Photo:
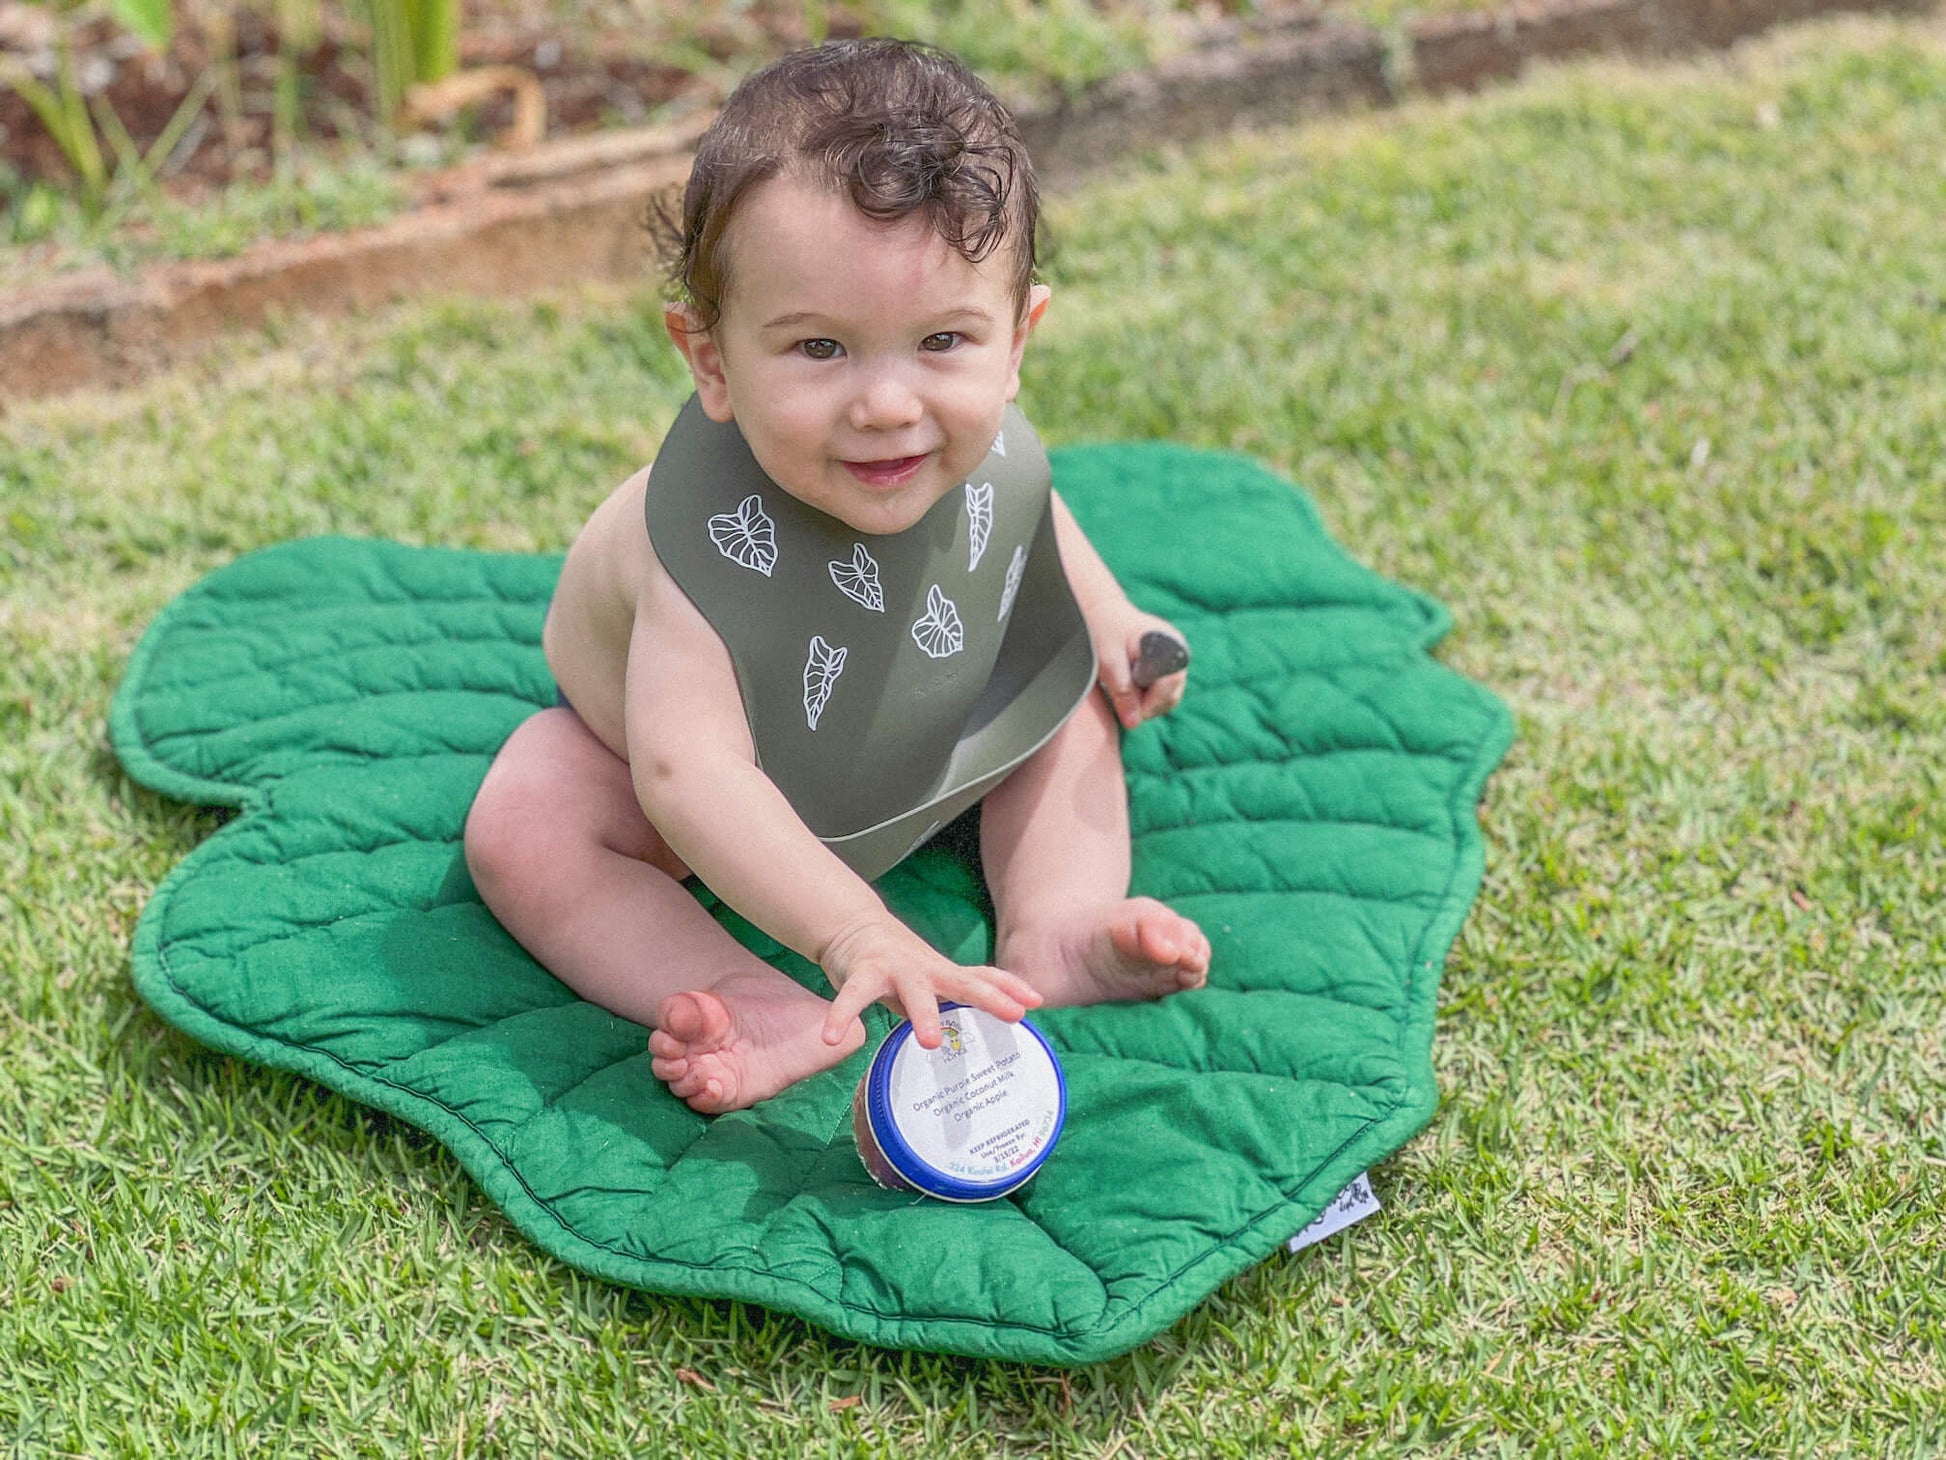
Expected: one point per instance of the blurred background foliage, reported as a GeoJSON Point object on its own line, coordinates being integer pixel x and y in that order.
{"type": "Point", "coordinates": [135, 127]}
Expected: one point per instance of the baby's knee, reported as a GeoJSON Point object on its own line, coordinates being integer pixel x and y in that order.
{"type": "Point", "coordinates": [554, 804]}
{"type": "Point", "coordinates": [492, 840]}
{"type": "Point", "coordinates": [508, 834]}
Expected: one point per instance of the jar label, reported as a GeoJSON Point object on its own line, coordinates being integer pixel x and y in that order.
{"type": "Point", "coordinates": [981, 1106]}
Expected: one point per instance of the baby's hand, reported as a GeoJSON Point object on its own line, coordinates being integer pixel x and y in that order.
{"type": "Point", "coordinates": [1118, 636]}
{"type": "Point", "coordinates": [887, 960]}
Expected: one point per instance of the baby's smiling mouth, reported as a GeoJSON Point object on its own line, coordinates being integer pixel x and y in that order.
{"type": "Point", "coordinates": [890, 471]}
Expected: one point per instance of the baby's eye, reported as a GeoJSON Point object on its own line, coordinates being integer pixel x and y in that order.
{"type": "Point", "coordinates": [820, 349]}
{"type": "Point", "coordinates": [944, 340]}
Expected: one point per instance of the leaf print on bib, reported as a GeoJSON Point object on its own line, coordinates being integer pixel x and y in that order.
{"type": "Point", "coordinates": [1016, 567]}
{"type": "Point", "coordinates": [858, 579]}
{"type": "Point", "coordinates": [939, 631]}
{"type": "Point", "coordinates": [999, 443]}
{"type": "Point", "coordinates": [979, 521]}
{"type": "Point", "coordinates": [821, 672]}
{"type": "Point", "coordinates": [747, 537]}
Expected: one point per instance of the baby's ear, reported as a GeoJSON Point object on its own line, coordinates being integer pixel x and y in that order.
{"type": "Point", "coordinates": [704, 357]}
{"type": "Point", "coordinates": [1037, 298]}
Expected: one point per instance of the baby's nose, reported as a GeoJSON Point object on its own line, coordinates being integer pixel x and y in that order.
{"type": "Point", "coordinates": [885, 404]}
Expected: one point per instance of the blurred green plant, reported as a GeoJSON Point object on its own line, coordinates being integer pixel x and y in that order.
{"type": "Point", "coordinates": [63, 110]}
{"type": "Point", "coordinates": [413, 42]}
{"type": "Point", "coordinates": [153, 20]}
{"type": "Point", "coordinates": [71, 116]}
{"type": "Point", "coordinates": [300, 27]}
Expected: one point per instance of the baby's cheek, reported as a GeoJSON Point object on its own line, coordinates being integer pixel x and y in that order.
{"type": "Point", "coordinates": [965, 451]}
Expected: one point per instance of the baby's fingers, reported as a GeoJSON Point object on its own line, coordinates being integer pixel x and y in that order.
{"type": "Point", "coordinates": [1163, 696]}
{"type": "Point", "coordinates": [1011, 984]}
{"type": "Point", "coordinates": [1112, 674]}
{"type": "Point", "coordinates": [848, 1006]}
{"type": "Point", "coordinates": [921, 1006]}
{"type": "Point", "coordinates": [999, 993]}
{"type": "Point", "coordinates": [1126, 700]}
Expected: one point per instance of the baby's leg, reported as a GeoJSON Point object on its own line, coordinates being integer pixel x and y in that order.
{"type": "Point", "coordinates": [561, 852]}
{"type": "Point", "coordinates": [1054, 838]}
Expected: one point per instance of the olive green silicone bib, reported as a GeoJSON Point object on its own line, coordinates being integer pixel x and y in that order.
{"type": "Point", "coordinates": [889, 680]}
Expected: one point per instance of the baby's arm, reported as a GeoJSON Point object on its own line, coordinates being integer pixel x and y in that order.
{"type": "Point", "coordinates": [1116, 626]}
{"type": "Point", "coordinates": [695, 773]}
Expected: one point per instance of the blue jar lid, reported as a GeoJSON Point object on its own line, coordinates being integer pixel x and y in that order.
{"type": "Point", "coordinates": [973, 1119]}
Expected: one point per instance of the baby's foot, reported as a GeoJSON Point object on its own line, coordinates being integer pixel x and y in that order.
{"type": "Point", "coordinates": [1138, 949]}
{"type": "Point", "coordinates": [741, 1041]}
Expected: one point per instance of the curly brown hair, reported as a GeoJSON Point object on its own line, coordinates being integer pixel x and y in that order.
{"type": "Point", "coordinates": [897, 126]}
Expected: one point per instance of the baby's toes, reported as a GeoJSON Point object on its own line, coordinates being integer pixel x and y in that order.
{"type": "Point", "coordinates": [668, 1069]}
{"type": "Point", "coordinates": [1160, 945]}
{"type": "Point", "coordinates": [703, 1092]}
{"type": "Point", "coordinates": [665, 1046]}
{"type": "Point", "coordinates": [1197, 959]}
{"type": "Point", "coordinates": [1135, 934]}
{"type": "Point", "coordinates": [691, 1019]}
{"type": "Point", "coordinates": [1170, 938]}
{"type": "Point", "coordinates": [693, 1081]}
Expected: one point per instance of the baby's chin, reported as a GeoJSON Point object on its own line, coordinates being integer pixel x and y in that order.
{"type": "Point", "coordinates": [894, 512]}
{"type": "Point", "coordinates": [879, 512]}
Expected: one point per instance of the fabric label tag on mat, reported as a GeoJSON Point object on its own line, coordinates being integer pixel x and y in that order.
{"type": "Point", "coordinates": [1356, 1202]}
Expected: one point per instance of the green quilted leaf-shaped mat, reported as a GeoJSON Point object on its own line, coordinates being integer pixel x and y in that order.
{"type": "Point", "coordinates": [1311, 804]}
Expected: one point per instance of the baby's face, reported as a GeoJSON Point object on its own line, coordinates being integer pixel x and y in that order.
{"type": "Point", "coordinates": [867, 364]}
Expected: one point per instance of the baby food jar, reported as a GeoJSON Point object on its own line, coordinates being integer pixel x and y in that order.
{"type": "Point", "coordinates": [969, 1121]}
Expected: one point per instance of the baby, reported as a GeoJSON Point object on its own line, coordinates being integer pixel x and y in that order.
{"type": "Point", "coordinates": [856, 264]}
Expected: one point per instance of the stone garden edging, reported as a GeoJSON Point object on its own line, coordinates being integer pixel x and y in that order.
{"type": "Point", "coordinates": [571, 210]}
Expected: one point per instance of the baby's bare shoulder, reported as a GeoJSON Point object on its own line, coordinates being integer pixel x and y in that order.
{"type": "Point", "coordinates": [615, 606]}
{"type": "Point", "coordinates": [609, 545]}
{"type": "Point", "coordinates": [606, 570]}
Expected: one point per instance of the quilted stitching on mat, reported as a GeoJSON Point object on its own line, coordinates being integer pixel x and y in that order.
{"type": "Point", "coordinates": [1311, 804]}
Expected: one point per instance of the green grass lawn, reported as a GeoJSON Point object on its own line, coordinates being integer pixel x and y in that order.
{"type": "Point", "coordinates": [1640, 372]}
